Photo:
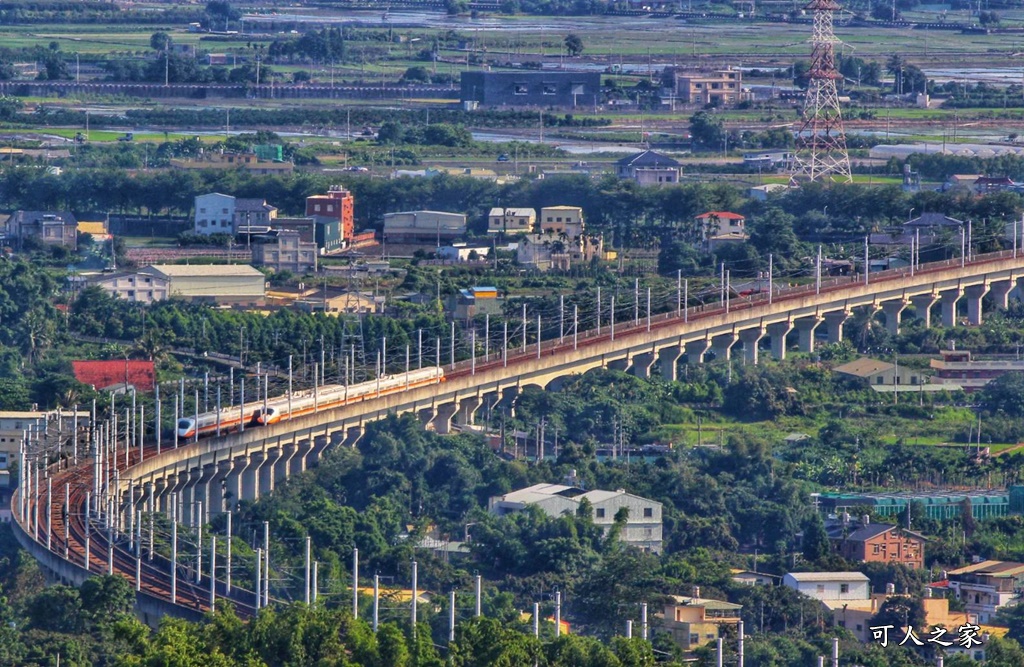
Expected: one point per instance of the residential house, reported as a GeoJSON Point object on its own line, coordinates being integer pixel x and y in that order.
{"type": "Point", "coordinates": [959, 370]}
{"type": "Point", "coordinates": [221, 284]}
{"type": "Point", "coordinates": [284, 251]}
{"type": "Point", "coordinates": [643, 523]}
{"type": "Point", "coordinates": [214, 214]}
{"type": "Point", "coordinates": [986, 587]}
{"type": "Point", "coordinates": [468, 303]}
{"type": "Point", "coordinates": [648, 168]}
{"type": "Point", "coordinates": [829, 585]}
{"type": "Point", "coordinates": [116, 374]}
{"type": "Point", "coordinates": [511, 220]}
{"type": "Point", "coordinates": [326, 232]}
{"type": "Point", "coordinates": [133, 287]}
{"type": "Point", "coordinates": [693, 622]}
{"type": "Point", "coordinates": [337, 204]}
{"type": "Point", "coordinates": [253, 216]}
{"type": "Point", "coordinates": [882, 543]}
{"type": "Point", "coordinates": [567, 220]}
{"type": "Point", "coordinates": [423, 226]}
{"type": "Point", "coordinates": [15, 424]}
{"type": "Point", "coordinates": [877, 373]}
{"type": "Point", "coordinates": [722, 87]}
{"type": "Point", "coordinates": [46, 227]}
{"type": "Point", "coordinates": [545, 252]}
{"type": "Point", "coordinates": [721, 227]}
{"type": "Point", "coordinates": [753, 578]}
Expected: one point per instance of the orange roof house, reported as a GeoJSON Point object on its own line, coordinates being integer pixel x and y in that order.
{"type": "Point", "coordinates": [115, 374]}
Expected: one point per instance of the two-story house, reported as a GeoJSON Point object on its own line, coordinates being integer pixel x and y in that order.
{"type": "Point", "coordinates": [134, 287]}
{"type": "Point", "coordinates": [883, 543]}
{"type": "Point", "coordinates": [986, 587]}
{"type": "Point", "coordinates": [720, 227]}
{"type": "Point", "coordinates": [511, 220]}
{"type": "Point", "coordinates": [695, 621]}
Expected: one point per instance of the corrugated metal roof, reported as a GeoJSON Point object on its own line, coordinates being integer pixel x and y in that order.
{"type": "Point", "coordinates": [828, 576]}
{"type": "Point", "coordinates": [205, 270]}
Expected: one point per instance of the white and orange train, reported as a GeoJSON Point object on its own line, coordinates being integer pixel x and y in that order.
{"type": "Point", "coordinates": [305, 402]}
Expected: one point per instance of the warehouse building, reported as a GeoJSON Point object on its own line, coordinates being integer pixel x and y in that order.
{"type": "Point", "coordinates": [531, 89]}
{"type": "Point", "coordinates": [423, 226]}
{"type": "Point", "coordinates": [219, 284]}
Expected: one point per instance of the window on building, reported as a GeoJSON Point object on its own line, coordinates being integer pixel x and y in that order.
{"type": "Point", "coordinates": [549, 89]}
{"type": "Point", "coordinates": [875, 548]}
{"type": "Point", "coordinates": [821, 588]}
{"type": "Point", "coordinates": [844, 588]}
{"type": "Point", "coordinates": [131, 294]}
{"type": "Point", "coordinates": [330, 208]}
{"type": "Point", "coordinates": [521, 89]}
{"type": "Point", "coordinates": [879, 380]}
{"type": "Point", "coordinates": [599, 512]}
{"type": "Point", "coordinates": [648, 512]}
{"type": "Point", "coordinates": [694, 639]}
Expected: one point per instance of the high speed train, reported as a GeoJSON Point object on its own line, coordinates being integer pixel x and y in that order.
{"type": "Point", "coordinates": [305, 402]}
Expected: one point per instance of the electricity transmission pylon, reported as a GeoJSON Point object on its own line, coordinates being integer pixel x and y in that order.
{"type": "Point", "coordinates": [821, 141]}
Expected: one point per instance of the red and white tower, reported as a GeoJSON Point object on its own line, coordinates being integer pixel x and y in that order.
{"type": "Point", "coordinates": [821, 142]}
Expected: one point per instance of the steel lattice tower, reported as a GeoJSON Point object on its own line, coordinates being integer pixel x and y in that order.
{"type": "Point", "coordinates": [821, 140]}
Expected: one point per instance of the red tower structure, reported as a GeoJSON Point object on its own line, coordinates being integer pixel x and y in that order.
{"type": "Point", "coordinates": [821, 141]}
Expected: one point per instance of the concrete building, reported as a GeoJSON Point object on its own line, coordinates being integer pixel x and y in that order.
{"type": "Point", "coordinates": [694, 621]}
{"type": "Point", "coordinates": [986, 587]}
{"type": "Point", "coordinates": [531, 89]}
{"type": "Point", "coordinates": [829, 585]}
{"type": "Point", "coordinates": [511, 220]}
{"type": "Point", "coordinates": [643, 526]}
{"type": "Point", "coordinates": [15, 423]}
{"type": "Point", "coordinates": [719, 88]}
{"type": "Point", "coordinates": [566, 220]}
{"type": "Point", "coordinates": [959, 370]}
{"type": "Point", "coordinates": [763, 192]}
{"type": "Point", "coordinates": [214, 214]}
{"type": "Point", "coordinates": [337, 204]}
{"type": "Point", "coordinates": [134, 287]}
{"type": "Point", "coordinates": [882, 543]}
{"type": "Point", "coordinates": [648, 168]}
{"type": "Point", "coordinates": [546, 252]}
{"type": "Point", "coordinates": [768, 161]}
{"type": "Point", "coordinates": [253, 216]}
{"type": "Point", "coordinates": [221, 284]}
{"type": "Point", "coordinates": [325, 232]}
{"type": "Point", "coordinates": [423, 226]}
{"type": "Point", "coordinates": [752, 578]}
{"type": "Point", "coordinates": [721, 227]}
{"type": "Point", "coordinates": [284, 251]}
{"type": "Point", "coordinates": [878, 373]}
{"type": "Point", "coordinates": [46, 227]}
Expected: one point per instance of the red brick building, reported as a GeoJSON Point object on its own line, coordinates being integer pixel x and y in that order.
{"type": "Point", "coordinates": [115, 374]}
{"type": "Point", "coordinates": [883, 543]}
{"type": "Point", "coordinates": [337, 204]}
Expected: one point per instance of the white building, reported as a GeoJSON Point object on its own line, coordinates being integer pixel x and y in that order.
{"type": "Point", "coordinates": [827, 586]}
{"type": "Point", "coordinates": [214, 214]}
{"type": "Point", "coordinates": [643, 526]}
{"type": "Point", "coordinates": [463, 252]}
{"type": "Point", "coordinates": [511, 220]}
{"type": "Point", "coordinates": [134, 287]}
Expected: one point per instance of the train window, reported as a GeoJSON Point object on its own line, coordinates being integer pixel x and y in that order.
{"type": "Point", "coordinates": [184, 423]}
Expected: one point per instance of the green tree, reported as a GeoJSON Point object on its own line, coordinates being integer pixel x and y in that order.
{"type": "Point", "coordinates": [816, 545]}
{"type": "Point", "coordinates": [573, 45]}
{"type": "Point", "coordinates": [160, 41]}
{"type": "Point", "coordinates": [707, 133]}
